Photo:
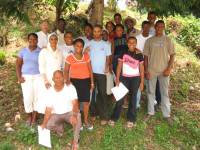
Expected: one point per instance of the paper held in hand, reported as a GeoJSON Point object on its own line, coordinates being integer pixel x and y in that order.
{"type": "Point", "coordinates": [119, 91]}
{"type": "Point", "coordinates": [44, 137]}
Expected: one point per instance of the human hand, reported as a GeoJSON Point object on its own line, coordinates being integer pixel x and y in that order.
{"type": "Point", "coordinates": [21, 80]}
{"type": "Point", "coordinates": [167, 72]}
{"type": "Point", "coordinates": [147, 75]}
{"type": "Point", "coordinates": [47, 85]}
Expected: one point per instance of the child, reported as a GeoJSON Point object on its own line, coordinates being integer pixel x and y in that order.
{"type": "Point", "coordinates": [78, 70]}
{"type": "Point", "coordinates": [100, 52]}
{"type": "Point", "coordinates": [131, 64]}
{"type": "Point", "coordinates": [68, 47]}
{"type": "Point", "coordinates": [119, 46]}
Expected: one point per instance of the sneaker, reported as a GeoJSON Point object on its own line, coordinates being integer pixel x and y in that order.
{"type": "Point", "coordinates": [89, 127]}
{"type": "Point", "coordinates": [103, 122]}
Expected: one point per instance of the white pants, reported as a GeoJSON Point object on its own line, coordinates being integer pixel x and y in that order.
{"type": "Point", "coordinates": [30, 92]}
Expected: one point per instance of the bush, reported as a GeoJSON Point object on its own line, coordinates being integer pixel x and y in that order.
{"type": "Point", "coordinates": [185, 29]}
{"type": "Point", "coordinates": [2, 58]}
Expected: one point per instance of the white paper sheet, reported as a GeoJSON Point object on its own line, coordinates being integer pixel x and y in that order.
{"type": "Point", "coordinates": [119, 91]}
{"type": "Point", "coordinates": [44, 137]}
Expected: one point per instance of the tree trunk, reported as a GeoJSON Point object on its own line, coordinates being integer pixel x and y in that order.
{"type": "Point", "coordinates": [96, 12]}
{"type": "Point", "coordinates": [59, 7]}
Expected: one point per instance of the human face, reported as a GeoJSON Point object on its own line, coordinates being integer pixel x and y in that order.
{"type": "Point", "coordinates": [61, 26]}
{"type": "Point", "coordinates": [97, 33]}
{"type": "Point", "coordinates": [151, 18]}
{"type": "Point", "coordinates": [119, 31]}
{"type": "Point", "coordinates": [109, 27]}
{"type": "Point", "coordinates": [129, 24]}
{"type": "Point", "coordinates": [68, 39]}
{"type": "Point", "coordinates": [88, 31]}
{"type": "Point", "coordinates": [58, 78]}
{"type": "Point", "coordinates": [53, 40]}
{"type": "Point", "coordinates": [32, 41]}
{"type": "Point", "coordinates": [105, 36]}
{"type": "Point", "coordinates": [118, 19]}
{"type": "Point", "coordinates": [44, 27]}
{"type": "Point", "coordinates": [146, 28]}
{"type": "Point", "coordinates": [132, 44]}
{"type": "Point", "coordinates": [159, 28]}
{"type": "Point", "coordinates": [78, 47]}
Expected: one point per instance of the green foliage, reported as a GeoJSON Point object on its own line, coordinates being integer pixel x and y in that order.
{"type": "Point", "coordinates": [170, 7]}
{"type": "Point", "coordinates": [2, 57]}
{"type": "Point", "coordinates": [7, 146]}
{"type": "Point", "coordinates": [112, 4]}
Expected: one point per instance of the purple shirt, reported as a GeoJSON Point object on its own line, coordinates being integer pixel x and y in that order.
{"type": "Point", "coordinates": [30, 64]}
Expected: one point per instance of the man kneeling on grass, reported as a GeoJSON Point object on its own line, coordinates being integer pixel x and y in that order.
{"type": "Point", "coordinates": [62, 106]}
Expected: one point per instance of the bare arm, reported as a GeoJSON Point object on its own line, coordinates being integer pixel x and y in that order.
{"type": "Point", "coordinates": [46, 117]}
{"type": "Point", "coordinates": [141, 68]}
{"type": "Point", "coordinates": [66, 73]}
{"type": "Point", "coordinates": [107, 64]}
{"type": "Point", "coordinates": [19, 63]}
{"type": "Point", "coordinates": [118, 72]}
{"type": "Point", "coordinates": [91, 75]}
{"type": "Point", "coordinates": [167, 71]}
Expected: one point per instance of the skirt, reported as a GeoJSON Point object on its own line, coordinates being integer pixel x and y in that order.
{"type": "Point", "coordinates": [83, 89]}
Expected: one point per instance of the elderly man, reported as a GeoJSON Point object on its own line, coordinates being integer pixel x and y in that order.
{"type": "Point", "coordinates": [62, 106]}
{"type": "Point", "coordinates": [159, 57]}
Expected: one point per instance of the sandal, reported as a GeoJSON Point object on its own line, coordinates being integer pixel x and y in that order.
{"type": "Point", "coordinates": [111, 123]}
{"type": "Point", "coordinates": [130, 125]}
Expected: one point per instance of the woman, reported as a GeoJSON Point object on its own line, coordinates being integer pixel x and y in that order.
{"type": "Point", "coordinates": [28, 74]}
{"type": "Point", "coordinates": [50, 60]}
{"type": "Point", "coordinates": [110, 28]}
{"type": "Point", "coordinates": [81, 75]}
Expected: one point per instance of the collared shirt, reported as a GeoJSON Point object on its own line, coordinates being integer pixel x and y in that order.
{"type": "Point", "coordinates": [66, 50]}
{"type": "Point", "coordinates": [60, 35]}
{"type": "Point", "coordinates": [61, 102]}
{"type": "Point", "coordinates": [134, 33]}
{"type": "Point", "coordinates": [30, 61]}
{"type": "Point", "coordinates": [42, 39]}
{"type": "Point", "coordinates": [50, 61]}
{"type": "Point", "coordinates": [158, 50]}
{"type": "Point", "coordinates": [99, 50]}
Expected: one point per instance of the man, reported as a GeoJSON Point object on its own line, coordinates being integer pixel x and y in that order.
{"type": "Point", "coordinates": [117, 18]}
{"type": "Point", "coordinates": [88, 29]}
{"type": "Point", "coordinates": [100, 52]}
{"type": "Point", "coordinates": [60, 31]}
{"type": "Point", "coordinates": [159, 57]}
{"type": "Point", "coordinates": [141, 39]}
{"type": "Point", "coordinates": [62, 106]}
{"type": "Point", "coordinates": [130, 27]}
{"type": "Point", "coordinates": [43, 34]}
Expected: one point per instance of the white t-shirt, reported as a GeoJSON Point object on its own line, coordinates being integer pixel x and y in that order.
{"type": "Point", "coordinates": [66, 50]}
{"type": "Point", "coordinates": [60, 35]}
{"type": "Point", "coordinates": [141, 41]}
{"type": "Point", "coordinates": [61, 102]}
{"type": "Point", "coordinates": [98, 52]}
{"type": "Point", "coordinates": [42, 39]}
{"type": "Point", "coordinates": [86, 41]}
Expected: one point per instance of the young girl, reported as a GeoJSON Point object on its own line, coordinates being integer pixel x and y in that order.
{"type": "Point", "coordinates": [78, 70]}
{"type": "Point", "coordinates": [131, 64]}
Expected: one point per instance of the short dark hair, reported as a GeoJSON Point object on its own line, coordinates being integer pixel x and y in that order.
{"type": "Point", "coordinates": [152, 13]}
{"type": "Point", "coordinates": [88, 25]}
{"type": "Point", "coordinates": [132, 38]}
{"type": "Point", "coordinates": [119, 26]}
{"type": "Point", "coordinates": [98, 26]}
{"type": "Point", "coordinates": [68, 32]}
{"type": "Point", "coordinates": [159, 22]}
{"type": "Point", "coordinates": [110, 23]}
{"type": "Point", "coordinates": [117, 14]}
{"type": "Point", "coordinates": [79, 40]}
{"type": "Point", "coordinates": [145, 22]}
{"type": "Point", "coordinates": [32, 34]}
{"type": "Point", "coordinates": [61, 19]}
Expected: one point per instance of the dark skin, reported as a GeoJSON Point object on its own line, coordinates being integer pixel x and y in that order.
{"type": "Point", "coordinates": [79, 55]}
{"type": "Point", "coordinates": [19, 62]}
{"type": "Point", "coordinates": [159, 32]}
{"type": "Point", "coordinates": [61, 26]}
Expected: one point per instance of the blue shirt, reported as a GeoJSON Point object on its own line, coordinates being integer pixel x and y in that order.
{"type": "Point", "coordinates": [30, 64]}
{"type": "Point", "coordinates": [98, 52]}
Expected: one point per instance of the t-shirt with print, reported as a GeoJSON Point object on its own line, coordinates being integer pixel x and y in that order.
{"type": "Point", "coordinates": [158, 50]}
{"type": "Point", "coordinates": [61, 102]}
{"type": "Point", "coordinates": [79, 68]}
{"type": "Point", "coordinates": [99, 50]}
{"type": "Point", "coordinates": [131, 63]}
{"type": "Point", "coordinates": [30, 64]}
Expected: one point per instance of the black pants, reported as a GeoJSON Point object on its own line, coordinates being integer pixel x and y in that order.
{"type": "Point", "coordinates": [132, 83]}
{"type": "Point", "coordinates": [158, 95]}
{"type": "Point", "coordinates": [99, 102]}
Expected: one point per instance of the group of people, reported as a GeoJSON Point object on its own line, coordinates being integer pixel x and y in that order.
{"type": "Point", "coordinates": [61, 75]}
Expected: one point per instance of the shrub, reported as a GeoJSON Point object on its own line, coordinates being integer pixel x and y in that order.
{"type": "Point", "coordinates": [2, 58]}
